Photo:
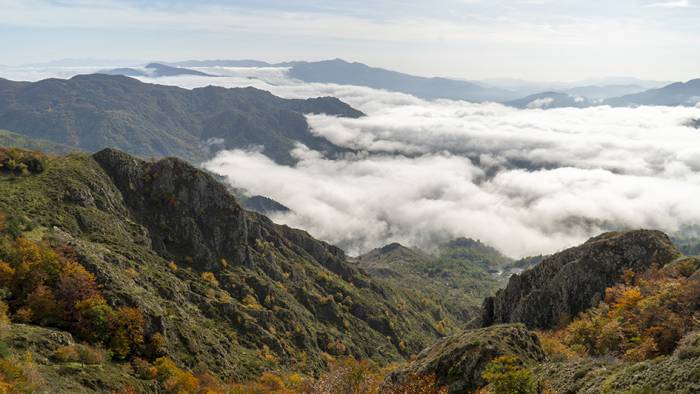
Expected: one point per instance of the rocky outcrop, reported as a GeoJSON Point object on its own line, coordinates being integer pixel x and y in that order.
{"type": "Point", "coordinates": [458, 361]}
{"type": "Point", "coordinates": [190, 216]}
{"type": "Point", "coordinates": [569, 282]}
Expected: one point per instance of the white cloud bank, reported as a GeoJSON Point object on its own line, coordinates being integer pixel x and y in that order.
{"type": "Point", "coordinates": [525, 181]}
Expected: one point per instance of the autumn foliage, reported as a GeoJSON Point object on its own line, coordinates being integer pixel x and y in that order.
{"type": "Point", "coordinates": [644, 317]}
{"type": "Point", "coordinates": [346, 376]}
{"type": "Point", "coordinates": [50, 288]}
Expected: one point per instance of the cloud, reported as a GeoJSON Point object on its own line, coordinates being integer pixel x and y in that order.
{"type": "Point", "coordinates": [540, 103]}
{"type": "Point", "coordinates": [509, 39]}
{"type": "Point", "coordinates": [672, 4]}
{"type": "Point", "coordinates": [525, 181]}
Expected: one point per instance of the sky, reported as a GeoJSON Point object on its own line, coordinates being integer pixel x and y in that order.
{"type": "Point", "coordinates": [542, 40]}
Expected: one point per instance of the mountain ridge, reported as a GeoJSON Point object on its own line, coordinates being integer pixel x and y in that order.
{"type": "Point", "coordinates": [91, 112]}
{"type": "Point", "coordinates": [225, 287]}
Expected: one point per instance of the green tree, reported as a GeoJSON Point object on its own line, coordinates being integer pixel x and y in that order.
{"type": "Point", "coordinates": [508, 375]}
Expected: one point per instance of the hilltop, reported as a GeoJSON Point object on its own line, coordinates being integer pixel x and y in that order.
{"type": "Point", "coordinates": [92, 112]}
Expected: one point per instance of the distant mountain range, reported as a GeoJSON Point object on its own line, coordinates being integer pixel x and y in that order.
{"type": "Point", "coordinates": [597, 92]}
{"type": "Point", "coordinates": [155, 70]}
{"type": "Point", "coordinates": [91, 112]}
{"type": "Point", "coordinates": [619, 91]}
{"type": "Point", "coordinates": [341, 72]}
{"type": "Point", "coordinates": [352, 73]}
{"type": "Point", "coordinates": [675, 94]}
{"type": "Point", "coordinates": [551, 100]}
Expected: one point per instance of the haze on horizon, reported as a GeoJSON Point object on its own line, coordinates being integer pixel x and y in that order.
{"type": "Point", "coordinates": [542, 40]}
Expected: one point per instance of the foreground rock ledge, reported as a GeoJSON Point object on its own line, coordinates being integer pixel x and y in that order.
{"type": "Point", "coordinates": [458, 361]}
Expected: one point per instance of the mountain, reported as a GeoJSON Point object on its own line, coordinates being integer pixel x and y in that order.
{"type": "Point", "coordinates": [569, 282]}
{"type": "Point", "coordinates": [451, 287]}
{"type": "Point", "coordinates": [549, 100]}
{"type": "Point", "coordinates": [119, 274]}
{"type": "Point", "coordinates": [608, 81]}
{"type": "Point", "coordinates": [675, 94]}
{"type": "Point", "coordinates": [618, 314]}
{"type": "Point", "coordinates": [91, 112]}
{"type": "Point", "coordinates": [474, 252]}
{"type": "Point", "coordinates": [597, 92]}
{"type": "Point", "coordinates": [222, 63]}
{"type": "Point", "coordinates": [264, 205]}
{"type": "Point", "coordinates": [341, 72]}
{"type": "Point", "coordinates": [205, 283]}
{"type": "Point", "coordinates": [352, 73]}
{"type": "Point", "coordinates": [155, 70]}
{"type": "Point", "coordinates": [9, 139]}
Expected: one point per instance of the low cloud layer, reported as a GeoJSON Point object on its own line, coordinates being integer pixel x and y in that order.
{"type": "Point", "coordinates": [526, 181]}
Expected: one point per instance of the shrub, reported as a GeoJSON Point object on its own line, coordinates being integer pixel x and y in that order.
{"type": "Point", "coordinates": [66, 354]}
{"type": "Point", "coordinates": [143, 369]}
{"type": "Point", "coordinates": [19, 375]}
{"type": "Point", "coordinates": [554, 347]}
{"type": "Point", "coordinates": [43, 306]}
{"type": "Point", "coordinates": [92, 319]}
{"type": "Point", "coordinates": [126, 331]}
{"type": "Point", "coordinates": [173, 379]}
{"type": "Point", "coordinates": [156, 345]}
{"type": "Point", "coordinates": [80, 354]}
{"type": "Point", "coordinates": [348, 375]}
{"type": "Point", "coordinates": [91, 355]}
{"type": "Point", "coordinates": [75, 283]}
{"type": "Point", "coordinates": [508, 375]}
{"type": "Point", "coordinates": [131, 273]}
{"type": "Point", "coordinates": [417, 384]}
{"type": "Point", "coordinates": [251, 302]}
{"type": "Point", "coordinates": [210, 278]}
{"type": "Point", "coordinates": [4, 320]}
{"type": "Point", "coordinates": [21, 162]}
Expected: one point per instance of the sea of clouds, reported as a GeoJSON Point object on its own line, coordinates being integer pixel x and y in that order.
{"type": "Point", "coordinates": [525, 181]}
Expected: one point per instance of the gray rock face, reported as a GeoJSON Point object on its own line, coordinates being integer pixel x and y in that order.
{"type": "Point", "coordinates": [189, 215]}
{"type": "Point", "coordinates": [569, 282]}
{"type": "Point", "coordinates": [459, 361]}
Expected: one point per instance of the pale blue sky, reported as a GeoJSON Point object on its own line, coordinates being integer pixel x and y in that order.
{"type": "Point", "coordinates": [474, 39]}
